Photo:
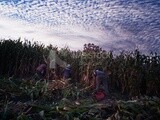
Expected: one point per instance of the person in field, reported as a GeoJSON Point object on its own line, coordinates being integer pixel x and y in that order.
{"type": "Point", "coordinates": [101, 81]}
{"type": "Point", "coordinates": [41, 71]}
{"type": "Point", "coordinates": [67, 72]}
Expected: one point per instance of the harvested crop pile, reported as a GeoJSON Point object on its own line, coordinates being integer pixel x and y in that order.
{"type": "Point", "coordinates": [23, 100]}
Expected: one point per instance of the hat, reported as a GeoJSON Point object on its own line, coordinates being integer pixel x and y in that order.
{"type": "Point", "coordinates": [95, 72]}
{"type": "Point", "coordinates": [68, 66]}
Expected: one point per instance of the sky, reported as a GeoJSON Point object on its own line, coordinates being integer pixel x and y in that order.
{"type": "Point", "coordinates": [111, 24]}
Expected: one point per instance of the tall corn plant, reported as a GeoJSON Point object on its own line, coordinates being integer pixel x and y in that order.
{"type": "Point", "coordinates": [19, 58]}
{"type": "Point", "coordinates": [131, 72]}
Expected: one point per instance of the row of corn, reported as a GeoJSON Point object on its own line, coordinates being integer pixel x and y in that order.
{"type": "Point", "coordinates": [131, 73]}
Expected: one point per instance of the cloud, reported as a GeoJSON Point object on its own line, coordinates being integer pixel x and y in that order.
{"type": "Point", "coordinates": [73, 36]}
{"type": "Point", "coordinates": [75, 22]}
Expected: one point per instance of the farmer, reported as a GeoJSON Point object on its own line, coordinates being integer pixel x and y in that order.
{"type": "Point", "coordinates": [41, 71]}
{"type": "Point", "coordinates": [67, 72]}
{"type": "Point", "coordinates": [101, 81]}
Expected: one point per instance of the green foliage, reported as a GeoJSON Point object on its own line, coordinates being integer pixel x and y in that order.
{"type": "Point", "coordinates": [131, 73]}
{"type": "Point", "coordinates": [12, 105]}
{"type": "Point", "coordinates": [34, 90]}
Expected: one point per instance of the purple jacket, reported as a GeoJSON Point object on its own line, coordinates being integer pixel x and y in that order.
{"type": "Point", "coordinates": [41, 68]}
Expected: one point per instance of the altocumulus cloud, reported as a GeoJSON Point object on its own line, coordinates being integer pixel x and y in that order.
{"type": "Point", "coordinates": [112, 24]}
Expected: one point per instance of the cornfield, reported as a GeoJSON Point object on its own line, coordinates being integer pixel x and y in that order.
{"type": "Point", "coordinates": [23, 100]}
{"type": "Point", "coordinates": [131, 73]}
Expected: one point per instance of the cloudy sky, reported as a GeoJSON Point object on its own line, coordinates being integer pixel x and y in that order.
{"type": "Point", "coordinates": [112, 24]}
